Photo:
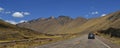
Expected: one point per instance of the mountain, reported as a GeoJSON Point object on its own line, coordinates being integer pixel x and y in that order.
{"type": "Point", "coordinates": [12, 32]}
{"type": "Point", "coordinates": [52, 25]}
{"type": "Point", "coordinates": [111, 20]}
{"type": "Point", "coordinates": [67, 25]}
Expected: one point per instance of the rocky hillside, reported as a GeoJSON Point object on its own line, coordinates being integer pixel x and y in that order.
{"type": "Point", "coordinates": [12, 32]}
{"type": "Point", "coordinates": [52, 25]}
{"type": "Point", "coordinates": [67, 25]}
{"type": "Point", "coordinates": [103, 23]}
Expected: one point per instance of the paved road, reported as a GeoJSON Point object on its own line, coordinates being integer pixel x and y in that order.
{"type": "Point", "coordinates": [80, 42]}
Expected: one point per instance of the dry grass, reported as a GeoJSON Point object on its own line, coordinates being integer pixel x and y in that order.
{"type": "Point", "coordinates": [38, 43]}
{"type": "Point", "coordinates": [113, 39]}
{"type": "Point", "coordinates": [16, 37]}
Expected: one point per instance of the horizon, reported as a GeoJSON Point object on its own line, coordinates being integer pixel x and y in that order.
{"type": "Point", "coordinates": [16, 11]}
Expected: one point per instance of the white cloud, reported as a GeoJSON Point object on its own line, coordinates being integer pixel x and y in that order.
{"type": "Point", "coordinates": [14, 22]}
{"type": "Point", "coordinates": [96, 12]}
{"type": "Point", "coordinates": [18, 14]}
{"type": "Point", "coordinates": [4, 12]}
{"type": "Point", "coordinates": [103, 15]}
{"type": "Point", "coordinates": [14, 13]}
{"type": "Point", "coordinates": [26, 13]}
{"type": "Point", "coordinates": [22, 21]}
{"type": "Point", "coordinates": [1, 9]}
{"type": "Point", "coordinates": [11, 22]}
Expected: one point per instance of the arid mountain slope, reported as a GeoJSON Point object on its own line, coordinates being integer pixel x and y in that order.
{"type": "Point", "coordinates": [60, 25]}
{"type": "Point", "coordinates": [66, 25]}
{"type": "Point", "coordinates": [12, 32]}
{"type": "Point", "coordinates": [109, 21]}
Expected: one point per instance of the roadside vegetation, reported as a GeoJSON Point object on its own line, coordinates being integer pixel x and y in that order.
{"type": "Point", "coordinates": [12, 36]}
{"type": "Point", "coordinates": [114, 40]}
{"type": "Point", "coordinates": [37, 41]}
{"type": "Point", "coordinates": [113, 34]}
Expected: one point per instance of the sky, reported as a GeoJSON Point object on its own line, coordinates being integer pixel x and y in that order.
{"type": "Point", "coordinates": [17, 11]}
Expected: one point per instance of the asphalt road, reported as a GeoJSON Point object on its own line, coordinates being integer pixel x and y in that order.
{"type": "Point", "coordinates": [80, 42]}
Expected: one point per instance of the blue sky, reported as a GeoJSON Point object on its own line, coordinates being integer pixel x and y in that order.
{"type": "Point", "coordinates": [16, 11]}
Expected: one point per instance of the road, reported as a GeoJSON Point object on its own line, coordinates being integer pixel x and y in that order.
{"type": "Point", "coordinates": [79, 42]}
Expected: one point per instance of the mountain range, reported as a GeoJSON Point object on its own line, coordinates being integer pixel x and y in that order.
{"type": "Point", "coordinates": [67, 25]}
{"type": "Point", "coordinates": [51, 25]}
{"type": "Point", "coordinates": [59, 25]}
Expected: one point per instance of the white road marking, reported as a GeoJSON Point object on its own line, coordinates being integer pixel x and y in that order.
{"type": "Point", "coordinates": [103, 43]}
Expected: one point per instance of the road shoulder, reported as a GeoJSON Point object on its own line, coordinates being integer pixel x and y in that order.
{"type": "Point", "coordinates": [107, 42]}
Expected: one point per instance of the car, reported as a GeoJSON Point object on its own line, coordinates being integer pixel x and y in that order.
{"type": "Point", "coordinates": [91, 36]}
